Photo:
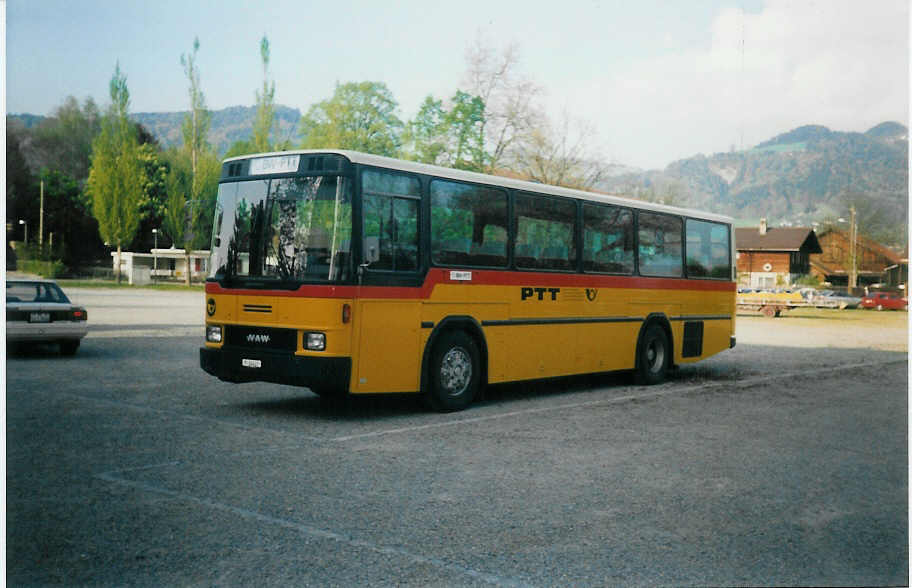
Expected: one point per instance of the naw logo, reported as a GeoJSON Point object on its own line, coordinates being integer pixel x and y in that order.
{"type": "Point", "coordinates": [257, 338]}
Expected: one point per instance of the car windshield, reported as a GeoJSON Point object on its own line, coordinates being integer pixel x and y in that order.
{"type": "Point", "coordinates": [34, 292]}
{"type": "Point", "coordinates": [288, 230]}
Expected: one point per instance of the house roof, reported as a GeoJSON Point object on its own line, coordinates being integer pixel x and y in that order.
{"type": "Point", "coordinates": [777, 239]}
{"type": "Point", "coordinates": [892, 256]}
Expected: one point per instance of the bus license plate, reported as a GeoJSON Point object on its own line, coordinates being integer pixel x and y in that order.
{"type": "Point", "coordinates": [40, 317]}
{"type": "Point", "coordinates": [251, 363]}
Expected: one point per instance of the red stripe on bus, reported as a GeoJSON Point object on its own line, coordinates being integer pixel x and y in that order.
{"type": "Point", "coordinates": [437, 276]}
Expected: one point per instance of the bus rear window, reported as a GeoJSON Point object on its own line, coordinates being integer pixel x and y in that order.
{"type": "Point", "coordinates": [708, 250]}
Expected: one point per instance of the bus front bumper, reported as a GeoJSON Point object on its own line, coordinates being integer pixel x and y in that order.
{"type": "Point", "coordinates": [232, 364]}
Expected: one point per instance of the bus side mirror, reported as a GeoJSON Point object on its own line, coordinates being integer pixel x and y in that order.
{"type": "Point", "coordinates": [217, 242]}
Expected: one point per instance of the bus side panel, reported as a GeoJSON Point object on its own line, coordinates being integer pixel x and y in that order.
{"type": "Point", "coordinates": [388, 346]}
{"type": "Point", "coordinates": [606, 347]}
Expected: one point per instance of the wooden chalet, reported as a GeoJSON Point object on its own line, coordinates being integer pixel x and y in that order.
{"type": "Point", "coordinates": [774, 257]}
{"type": "Point", "coordinates": [875, 262]}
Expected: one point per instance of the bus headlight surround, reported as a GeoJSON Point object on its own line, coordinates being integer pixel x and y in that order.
{"type": "Point", "coordinates": [214, 333]}
{"type": "Point", "coordinates": [315, 341]}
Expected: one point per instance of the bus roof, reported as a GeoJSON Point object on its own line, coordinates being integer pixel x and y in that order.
{"type": "Point", "coordinates": [479, 178]}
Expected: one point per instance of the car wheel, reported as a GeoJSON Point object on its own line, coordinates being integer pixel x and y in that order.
{"type": "Point", "coordinates": [69, 347]}
{"type": "Point", "coordinates": [455, 372]}
{"type": "Point", "coordinates": [879, 307]}
{"type": "Point", "coordinates": [653, 356]}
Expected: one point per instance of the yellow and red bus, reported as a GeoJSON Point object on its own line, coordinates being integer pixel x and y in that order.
{"type": "Point", "coordinates": [351, 273]}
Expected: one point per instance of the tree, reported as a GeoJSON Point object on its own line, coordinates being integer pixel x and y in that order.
{"type": "Point", "coordinates": [190, 204]}
{"type": "Point", "coordinates": [508, 98]}
{"type": "Point", "coordinates": [449, 137]}
{"type": "Point", "coordinates": [195, 127]}
{"type": "Point", "coordinates": [116, 175]}
{"type": "Point", "coordinates": [359, 116]}
{"type": "Point", "coordinates": [193, 171]}
{"type": "Point", "coordinates": [67, 219]}
{"type": "Point", "coordinates": [63, 142]}
{"type": "Point", "coordinates": [558, 155]}
{"type": "Point", "coordinates": [426, 134]}
{"type": "Point", "coordinates": [262, 126]}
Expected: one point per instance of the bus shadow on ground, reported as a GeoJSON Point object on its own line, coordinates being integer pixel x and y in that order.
{"type": "Point", "coordinates": [391, 405]}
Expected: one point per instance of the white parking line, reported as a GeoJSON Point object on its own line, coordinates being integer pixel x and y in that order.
{"type": "Point", "coordinates": [663, 390]}
{"type": "Point", "coordinates": [314, 531]}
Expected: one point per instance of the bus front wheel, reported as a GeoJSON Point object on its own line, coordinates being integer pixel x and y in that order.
{"type": "Point", "coordinates": [653, 356]}
{"type": "Point", "coordinates": [455, 372]}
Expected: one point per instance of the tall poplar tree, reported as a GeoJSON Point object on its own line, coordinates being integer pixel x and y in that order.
{"type": "Point", "coordinates": [116, 176]}
{"type": "Point", "coordinates": [265, 104]}
{"type": "Point", "coordinates": [193, 175]}
{"type": "Point", "coordinates": [195, 127]}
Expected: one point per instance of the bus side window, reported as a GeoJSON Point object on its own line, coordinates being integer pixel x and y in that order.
{"type": "Point", "coordinates": [468, 225]}
{"type": "Point", "coordinates": [607, 239]}
{"type": "Point", "coordinates": [660, 247]}
{"type": "Point", "coordinates": [545, 229]}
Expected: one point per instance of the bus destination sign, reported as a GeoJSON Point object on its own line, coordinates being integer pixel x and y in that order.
{"type": "Point", "coordinates": [281, 164]}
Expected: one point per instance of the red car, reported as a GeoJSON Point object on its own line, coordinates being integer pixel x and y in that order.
{"type": "Point", "coordinates": [882, 300]}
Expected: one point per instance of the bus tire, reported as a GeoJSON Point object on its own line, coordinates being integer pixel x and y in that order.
{"type": "Point", "coordinates": [653, 356]}
{"type": "Point", "coordinates": [455, 372]}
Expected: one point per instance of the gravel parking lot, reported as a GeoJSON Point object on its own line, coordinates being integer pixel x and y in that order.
{"type": "Point", "coordinates": [780, 462]}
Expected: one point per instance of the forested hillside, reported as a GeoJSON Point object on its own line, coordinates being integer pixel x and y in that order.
{"type": "Point", "coordinates": [810, 174]}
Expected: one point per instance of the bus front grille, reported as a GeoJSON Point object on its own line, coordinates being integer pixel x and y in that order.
{"type": "Point", "coordinates": [262, 338]}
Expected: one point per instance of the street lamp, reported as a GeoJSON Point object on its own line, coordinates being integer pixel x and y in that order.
{"type": "Point", "coordinates": [22, 222]}
{"type": "Point", "coordinates": [154, 254]}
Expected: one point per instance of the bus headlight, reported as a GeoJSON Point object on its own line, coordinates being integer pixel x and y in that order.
{"type": "Point", "coordinates": [214, 333]}
{"type": "Point", "coordinates": [316, 341]}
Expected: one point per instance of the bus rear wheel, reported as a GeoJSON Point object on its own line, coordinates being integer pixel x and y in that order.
{"type": "Point", "coordinates": [653, 356]}
{"type": "Point", "coordinates": [455, 372]}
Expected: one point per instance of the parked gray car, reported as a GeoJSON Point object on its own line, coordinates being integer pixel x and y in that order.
{"type": "Point", "coordinates": [37, 311]}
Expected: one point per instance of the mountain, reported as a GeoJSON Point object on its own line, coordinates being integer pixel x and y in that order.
{"type": "Point", "coordinates": [227, 125]}
{"type": "Point", "coordinates": [809, 174]}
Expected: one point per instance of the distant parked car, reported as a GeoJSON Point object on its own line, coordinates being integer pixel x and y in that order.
{"type": "Point", "coordinates": [38, 311]}
{"type": "Point", "coordinates": [882, 300]}
{"type": "Point", "coordinates": [832, 299]}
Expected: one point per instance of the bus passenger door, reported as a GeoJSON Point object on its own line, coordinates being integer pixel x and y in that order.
{"type": "Point", "coordinates": [389, 309]}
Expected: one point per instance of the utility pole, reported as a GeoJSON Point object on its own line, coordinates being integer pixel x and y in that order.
{"type": "Point", "coordinates": [853, 250]}
{"type": "Point", "coordinates": [41, 217]}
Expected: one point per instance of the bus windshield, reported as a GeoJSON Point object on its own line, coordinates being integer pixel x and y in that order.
{"type": "Point", "coordinates": [288, 230]}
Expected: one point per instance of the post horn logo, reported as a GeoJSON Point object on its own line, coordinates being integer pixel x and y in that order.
{"type": "Point", "coordinates": [591, 294]}
{"type": "Point", "coordinates": [210, 306]}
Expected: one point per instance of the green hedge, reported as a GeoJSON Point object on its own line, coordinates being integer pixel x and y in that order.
{"type": "Point", "coordinates": [45, 269]}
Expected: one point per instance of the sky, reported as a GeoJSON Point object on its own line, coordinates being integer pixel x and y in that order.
{"type": "Point", "coordinates": [656, 80]}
